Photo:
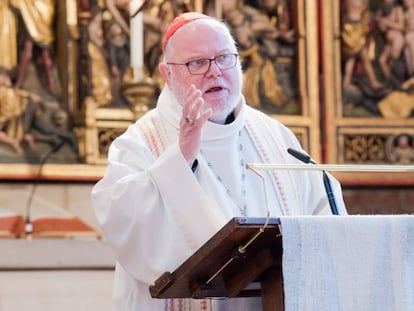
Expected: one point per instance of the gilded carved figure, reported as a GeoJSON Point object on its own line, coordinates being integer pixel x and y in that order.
{"type": "Point", "coordinates": [37, 32]}
{"type": "Point", "coordinates": [375, 51]}
{"type": "Point", "coordinates": [120, 13]}
{"type": "Point", "coordinates": [31, 106]}
{"type": "Point", "coordinates": [13, 104]}
{"type": "Point", "coordinates": [401, 149]}
{"type": "Point", "coordinates": [267, 44]}
{"type": "Point", "coordinates": [100, 74]}
{"type": "Point", "coordinates": [26, 119]}
{"type": "Point", "coordinates": [356, 38]}
{"type": "Point", "coordinates": [409, 34]}
{"type": "Point", "coordinates": [390, 21]}
{"type": "Point", "coordinates": [8, 38]}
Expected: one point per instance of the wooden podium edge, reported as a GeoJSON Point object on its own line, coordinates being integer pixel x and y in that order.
{"type": "Point", "coordinates": [187, 281]}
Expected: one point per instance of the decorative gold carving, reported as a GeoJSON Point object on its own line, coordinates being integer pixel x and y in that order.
{"type": "Point", "coordinates": [96, 89]}
{"type": "Point", "coordinates": [364, 149]}
{"type": "Point", "coordinates": [140, 96]}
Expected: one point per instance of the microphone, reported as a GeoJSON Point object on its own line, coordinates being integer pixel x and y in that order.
{"type": "Point", "coordinates": [28, 227]}
{"type": "Point", "coordinates": [302, 156]}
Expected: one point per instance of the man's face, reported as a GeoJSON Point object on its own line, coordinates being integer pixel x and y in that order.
{"type": "Point", "coordinates": [221, 89]}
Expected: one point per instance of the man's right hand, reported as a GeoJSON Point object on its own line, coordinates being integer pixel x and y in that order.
{"type": "Point", "coordinates": [191, 124]}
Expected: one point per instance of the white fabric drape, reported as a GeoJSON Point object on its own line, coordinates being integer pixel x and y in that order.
{"type": "Point", "coordinates": [342, 263]}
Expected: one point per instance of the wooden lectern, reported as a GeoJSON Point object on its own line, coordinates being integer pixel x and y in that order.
{"type": "Point", "coordinates": [243, 259]}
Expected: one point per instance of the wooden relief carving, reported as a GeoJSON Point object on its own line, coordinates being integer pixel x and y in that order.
{"type": "Point", "coordinates": [368, 83]}
{"type": "Point", "coordinates": [67, 77]}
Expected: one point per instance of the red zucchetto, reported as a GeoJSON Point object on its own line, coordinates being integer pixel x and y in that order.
{"type": "Point", "coordinates": [178, 22]}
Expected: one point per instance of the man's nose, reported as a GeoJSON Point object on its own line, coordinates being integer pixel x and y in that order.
{"type": "Point", "coordinates": [214, 69]}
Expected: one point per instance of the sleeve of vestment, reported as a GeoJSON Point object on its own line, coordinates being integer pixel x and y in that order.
{"type": "Point", "coordinates": [152, 209]}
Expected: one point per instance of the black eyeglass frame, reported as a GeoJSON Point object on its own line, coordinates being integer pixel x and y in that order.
{"type": "Point", "coordinates": [189, 63]}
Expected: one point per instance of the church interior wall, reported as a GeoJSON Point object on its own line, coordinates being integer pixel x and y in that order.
{"type": "Point", "coordinates": [56, 284]}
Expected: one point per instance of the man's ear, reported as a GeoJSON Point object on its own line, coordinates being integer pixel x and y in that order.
{"type": "Point", "coordinates": [165, 71]}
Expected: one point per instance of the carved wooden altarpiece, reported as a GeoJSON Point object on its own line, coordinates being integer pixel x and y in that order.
{"type": "Point", "coordinates": [96, 93]}
{"type": "Point", "coordinates": [367, 88]}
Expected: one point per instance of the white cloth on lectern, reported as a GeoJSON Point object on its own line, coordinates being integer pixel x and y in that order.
{"type": "Point", "coordinates": [358, 262]}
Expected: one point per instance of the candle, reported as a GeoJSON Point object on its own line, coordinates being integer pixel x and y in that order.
{"type": "Point", "coordinates": [137, 39]}
{"type": "Point", "coordinates": [198, 6]}
{"type": "Point", "coordinates": [218, 9]}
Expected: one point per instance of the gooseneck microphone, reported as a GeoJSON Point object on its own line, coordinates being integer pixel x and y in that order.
{"type": "Point", "coordinates": [28, 222]}
{"type": "Point", "coordinates": [302, 156]}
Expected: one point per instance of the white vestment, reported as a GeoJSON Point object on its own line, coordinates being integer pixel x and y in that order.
{"type": "Point", "coordinates": [156, 212]}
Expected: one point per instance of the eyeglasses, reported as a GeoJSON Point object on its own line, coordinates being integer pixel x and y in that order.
{"type": "Point", "coordinates": [202, 65]}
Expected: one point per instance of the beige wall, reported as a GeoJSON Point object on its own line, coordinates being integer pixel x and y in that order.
{"type": "Point", "coordinates": [50, 199]}
{"type": "Point", "coordinates": [43, 274]}
{"type": "Point", "coordinates": [55, 290]}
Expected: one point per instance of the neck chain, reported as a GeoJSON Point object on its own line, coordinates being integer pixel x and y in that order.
{"type": "Point", "coordinates": [243, 205]}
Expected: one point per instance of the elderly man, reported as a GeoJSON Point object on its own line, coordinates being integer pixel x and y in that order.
{"type": "Point", "coordinates": [178, 174]}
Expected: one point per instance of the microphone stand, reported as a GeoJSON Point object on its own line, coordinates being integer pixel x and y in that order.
{"type": "Point", "coordinates": [28, 227]}
{"type": "Point", "coordinates": [326, 181]}
{"type": "Point", "coordinates": [330, 193]}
